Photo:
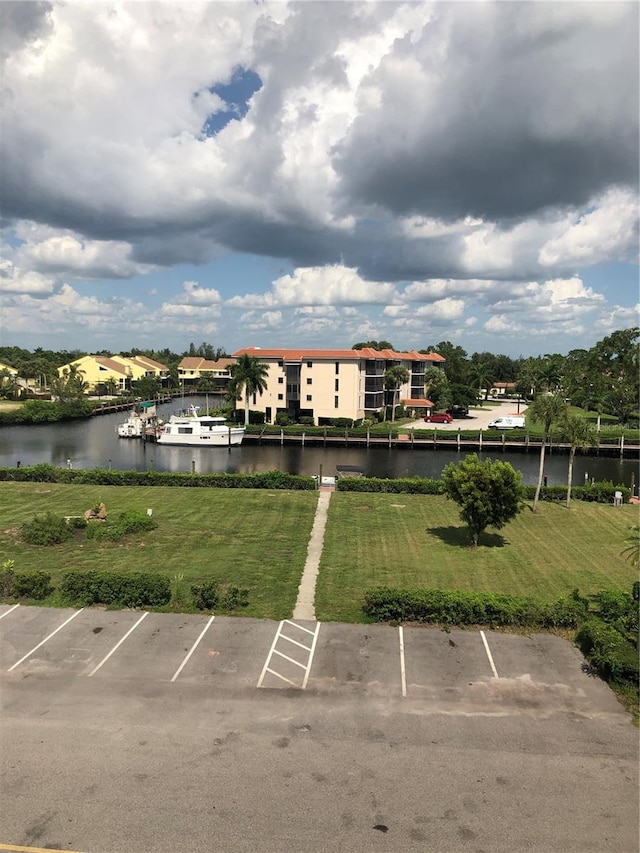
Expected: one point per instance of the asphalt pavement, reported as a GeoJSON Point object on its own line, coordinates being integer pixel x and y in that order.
{"type": "Point", "coordinates": [478, 418]}
{"type": "Point", "coordinates": [133, 731]}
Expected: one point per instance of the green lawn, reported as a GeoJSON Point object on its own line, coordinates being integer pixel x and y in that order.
{"type": "Point", "coordinates": [258, 539]}
{"type": "Point", "coordinates": [411, 540]}
{"type": "Point", "coordinates": [251, 538]}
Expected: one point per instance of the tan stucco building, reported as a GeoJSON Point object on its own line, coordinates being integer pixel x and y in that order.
{"type": "Point", "coordinates": [328, 384]}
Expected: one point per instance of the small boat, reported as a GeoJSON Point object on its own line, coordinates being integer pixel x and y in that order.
{"type": "Point", "coordinates": [133, 427]}
{"type": "Point", "coordinates": [194, 430]}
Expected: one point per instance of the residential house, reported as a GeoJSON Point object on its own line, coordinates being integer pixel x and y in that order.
{"type": "Point", "coordinates": [330, 384]}
{"type": "Point", "coordinates": [193, 368]}
{"type": "Point", "coordinates": [502, 389]}
{"type": "Point", "coordinates": [98, 370]}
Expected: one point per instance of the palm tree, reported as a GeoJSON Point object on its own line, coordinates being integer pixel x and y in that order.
{"type": "Point", "coordinates": [394, 378]}
{"type": "Point", "coordinates": [580, 434]}
{"type": "Point", "coordinates": [250, 375]}
{"type": "Point", "coordinates": [546, 410]}
{"type": "Point", "coordinates": [632, 540]}
{"type": "Point", "coordinates": [481, 375]}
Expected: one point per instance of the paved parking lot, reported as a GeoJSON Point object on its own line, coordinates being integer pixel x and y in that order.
{"type": "Point", "coordinates": [154, 732]}
{"type": "Point", "coordinates": [501, 672]}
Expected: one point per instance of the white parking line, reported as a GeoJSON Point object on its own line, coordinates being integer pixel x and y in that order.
{"type": "Point", "coordinates": [42, 642]}
{"type": "Point", "coordinates": [193, 648]}
{"type": "Point", "coordinates": [266, 663]}
{"type": "Point", "coordinates": [274, 651]}
{"type": "Point", "coordinates": [117, 645]}
{"type": "Point", "coordinates": [488, 651]}
{"type": "Point", "coordinates": [313, 648]}
{"type": "Point", "coordinates": [403, 674]}
{"type": "Point", "coordinates": [10, 610]}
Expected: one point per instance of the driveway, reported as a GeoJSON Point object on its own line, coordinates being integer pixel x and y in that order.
{"type": "Point", "coordinates": [479, 418]}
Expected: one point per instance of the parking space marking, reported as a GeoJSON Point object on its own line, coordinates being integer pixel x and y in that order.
{"type": "Point", "coordinates": [48, 637]}
{"type": "Point", "coordinates": [267, 668]}
{"type": "Point", "coordinates": [403, 672]}
{"type": "Point", "coordinates": [489, 655]}
{"type": "Point", "coordinates": [16, 848]}
{"type": "Point", "coordinates": [2, 615]}
{"type": "Point", "coordinates": [117, 646]}
{"type": "Point", "coordinates": [192, 649]}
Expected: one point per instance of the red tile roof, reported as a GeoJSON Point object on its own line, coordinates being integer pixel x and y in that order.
{"type": "Point", "coordinates": [420, 404]}
{"type": "Point", "coordinates": [338, 354]}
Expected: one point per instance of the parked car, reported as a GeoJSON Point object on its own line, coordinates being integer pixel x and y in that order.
{"type": "Point", "coordinates": [438, 418]}
{"type": "Point", "coordinates": [459, 411]}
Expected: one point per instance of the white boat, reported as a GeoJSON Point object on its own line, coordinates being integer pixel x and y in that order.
{"type": "Point", "coordinates": [133, 427]}
{"type": "Point", "coordinates": [194, 430]}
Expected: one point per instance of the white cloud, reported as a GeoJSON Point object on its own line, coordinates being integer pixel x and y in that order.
{"type": "Point", "coordinates": [14, 280]}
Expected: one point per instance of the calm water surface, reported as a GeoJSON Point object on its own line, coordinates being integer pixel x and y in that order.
{"type": "Point", "coordinates": [94, 443]}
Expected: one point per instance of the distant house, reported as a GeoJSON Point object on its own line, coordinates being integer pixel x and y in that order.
{"type": "Point", "coordinates": [330, 384]}
{"type": "Point", "coordinates": [96, 370]}
{"type": "Point", "coordinates": [193, 368]}
{"type": "Point", "coordinates": [10, 370]}
{"type": "Point", "coordinates": [503, 389]}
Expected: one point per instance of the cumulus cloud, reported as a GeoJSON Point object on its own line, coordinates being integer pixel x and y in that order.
{"type": "Point", "coordinates": [15, 280]}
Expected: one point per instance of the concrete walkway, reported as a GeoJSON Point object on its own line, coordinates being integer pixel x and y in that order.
{"type": "Point", "coordinates": [304, 608]}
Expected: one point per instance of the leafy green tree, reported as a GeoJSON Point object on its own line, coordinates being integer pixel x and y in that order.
{"type": "Point", "coordinates": [546, 410]}
{"type": "Point", "coordinates": [250, 375]}
{"type": "Point", "coordinates": [147, 387]}
{"type": "Point", "coordinates": [394, 378]}
{"type": "Point", "coordinates": [550, 373]}
{"type": "Point", "coordinates": [580, 434]}
{"type": "Point", "coordinates": [377, 345]}
{"type": "Point", "coordinates": [436, 387]}
{"type": "Point", "coordinates": [488, 493]}
{"type": "Point", "coordinates": [456, 366]}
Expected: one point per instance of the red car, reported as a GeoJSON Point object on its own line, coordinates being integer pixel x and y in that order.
{"type": "Point", "coordinates": [438, 418]}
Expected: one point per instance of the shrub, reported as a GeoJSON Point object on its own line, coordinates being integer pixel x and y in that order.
{"type": "Point", "coordinates": [608, 651]}
{"type": "Point", "coordinates": [619, 609]}
{"type": "Point", "coordinates": [283, 419]}
{"type": "Point", "coordinates": [407, 485]}
{"type": "Point", "coordinates": [455, 607]}
{"type": "Point", "coordinates": [47, 529]}
{"type": "Point", "coordinates": [206, 595]}
{"type": "Point", "coordinates": [32, 584]}
{"type": "Point", "coordinates": [234, 597]}
{"type": "Point", "coordinates": [306, 420]}
{"type": "Point", "coordinates": [137, 589]}
{"type": "Point", "coordinates": [7, 577]}
{"type": "Point", "coordinates": [126, 523]}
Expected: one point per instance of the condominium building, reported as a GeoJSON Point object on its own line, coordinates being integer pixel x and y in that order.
{"type": "Point", "coordinates": [329, 384]}
{"type": "Point", "coordinates": [193, 368]}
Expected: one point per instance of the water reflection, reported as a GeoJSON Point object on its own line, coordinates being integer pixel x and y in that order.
{"type": "Point", "coordinates": [94, 443]}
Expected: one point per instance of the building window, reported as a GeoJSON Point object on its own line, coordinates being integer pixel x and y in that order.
{"type": "Point", "coordinates": [337, 367]}
{"type": "Point", "coordinates": [280, 397]}
{"type": "Point", "coordinates": [309, 364]}
{"type": "Point", "coordinates": [281, 364]}
{"type": "Point", "coordinates": [309, 380]}
{"type": "Point", "coordinates": [280, 380]}
{"type": "Point", "coordinates": [335, 403]}
{"type": "Point", "coordinates": [337, 385]}
{"type": "Point", "coordinates": [308, 398]}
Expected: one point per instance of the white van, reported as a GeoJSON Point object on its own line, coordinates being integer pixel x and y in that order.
{"type": "Point", "coordinates": [507, 422]}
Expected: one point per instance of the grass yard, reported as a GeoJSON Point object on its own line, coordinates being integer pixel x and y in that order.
{"type": "Point", "coordinates": [251, 538]}
{"type": "Point", "coordinates": [411, 540]}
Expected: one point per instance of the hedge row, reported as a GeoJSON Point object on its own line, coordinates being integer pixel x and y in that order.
{"type": "Point", "coordinates": [455, 607]}
{"type": "Point", "coordinates": [137, 589]}
{"type": "Point", "coordinates": [103, 477]}
{"type": "Point", "coordinates": [608, 651]}
{"type": "Point", "coordinates": [602, 492]}
{"type": "Point", "coordinates": [34, 584]}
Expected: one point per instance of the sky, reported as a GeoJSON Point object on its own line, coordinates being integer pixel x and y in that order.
{"type": "Point", "coordinates": [318, 173]}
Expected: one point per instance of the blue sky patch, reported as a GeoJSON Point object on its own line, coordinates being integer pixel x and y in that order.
{"type": "Point", "coordinates": [236, 94]}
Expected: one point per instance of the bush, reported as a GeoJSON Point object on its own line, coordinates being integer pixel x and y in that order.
{"type": "Point", "coordinates": [283, 419]}
{"type": "Point", "coordinates": [408, 485]}
{"type": "Point", "coordinates": [47, 529]}
{"type": "Point", "coordinates": [608, 651]}
{"type": "Point", "coordinates": [206, 595]}
{"type": "Point", "coordinates": [7, 577]}
{"type": "Point", "coordinates": [32, 584]}
{"type": "Point", "coordinates": [137, 589]}
{"type": "Point", "coordinates": [234, 597]}
{"type": "Point", "coordinates": [306, 420]}
{"type": "Point", "coordinates": [454, 607]}
{"type": "Point", "coordinates": [126, 523]}
{"type": "Point", "coordinates": [619, 609]}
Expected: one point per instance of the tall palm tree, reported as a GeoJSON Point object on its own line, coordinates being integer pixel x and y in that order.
{"type": "Point", "coordinates": [481, 376]}
{"type": "Point", "coordinates": [546, 410]}
{"type": "Point", "coordinates": [250, 375]}
{"type": "Point", "coordinates": [394, 378]}
{"type": "Point", "coordinates": [632, 540]}
{"type": "Point", "coordinates": [580, 434]}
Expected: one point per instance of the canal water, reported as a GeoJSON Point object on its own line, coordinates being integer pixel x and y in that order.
{"type": "Point", "coordinates": [94, 443]}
